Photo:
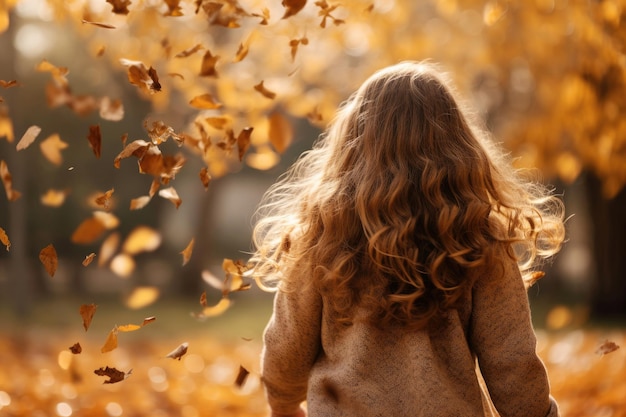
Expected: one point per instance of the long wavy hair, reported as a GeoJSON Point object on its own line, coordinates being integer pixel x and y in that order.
{"type": "Point", "coordinates": [398, 201]}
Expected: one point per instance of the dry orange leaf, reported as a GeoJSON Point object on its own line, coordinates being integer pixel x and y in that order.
{"type": "Point", "coordinates": [108, 248]}
{"type": "Point", "coordinates": [141, 297]}
{"type": "Point", "coordinates": [205, 102]}
{"type": "Point", "coordinates": [607, 347]}
{"type": "Point", "coordinates": [29, 137]}
{"type": "Point", "coordinates": [136, 148]}
{"type": "Point", "coordinates": [292, 7]}
{"type": "Point", "coordinates": [266, 93]}
{"type": "Point", "coordinates": [51, 148]}
{"type": "Point", "coordinates": [8, 84]}
{"type": "Point", "coordinates": [111, 342]}
{"type": "Point", "coordinates": [95, 140]}
{"type": "Point", "coordinates": [104, 200]}
{"type": "Point", "coordinates": [48, 257]}
{"type": "Point", "coordinates": [295, 43]}
{"type": "Point", "coordinates": [211, 311]}
{"type": "Point", "coordinates": [187, 252]}
{"type": "Point", "coordinates": [112, 110]}
{"type": "Point", "coordinates": [119, 6]}
{"type": "Point", "coordinates": [140, 202]}
{"type": "Point", "coordinates": [280, 132]}
{"type": "Point", "coordinates": [209, 61]}
{"type": "Point", "coordinates": [98, 24]}
{"type": "Point", "coordinates": [133, 327]}
{"type": "Point", "coordinates": [218, 122]}
{"type": "Point", "coordinates": [141, 239]}
{"type": "Point", "coordinates": [189, 51]}
{"type": "Point", "coordinates": [88, 259]}
{"type": "Point", "coordinates": [242, 52]}
{"type": "Point", "coordinates": [145, 78]}
{"type": "Point", "coordinates": [58, 73]}
{"type": "Point", "coordinates": [86, 312]}
{"type": "Point", "coordinates": [7, 181]}
{"type": "Point", "coordinates": [88, 231]}
{"type": "Point", "coordinates": [171, 194]}
{"type": "Point", "coordinates": [179, 351]}
{"type": "Point", "coordinates": [53, 198]}
{"type": "Point", "coordinates": [205, 177]}
{"type": "Point", "coordinates": [6, 125]}
{"type": "Point", "coordinates": [4, 239]}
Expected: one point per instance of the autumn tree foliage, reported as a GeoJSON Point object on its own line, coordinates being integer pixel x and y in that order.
{"type": "Point", "coordinates": [226, 79]}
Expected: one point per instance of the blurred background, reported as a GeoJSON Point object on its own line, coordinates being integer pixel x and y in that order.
{"type": "Point", "coordinates": [138, 137]}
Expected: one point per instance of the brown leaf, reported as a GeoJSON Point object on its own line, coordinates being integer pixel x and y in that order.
{"type": "Point", "coordinates": [88, 259]}
{"type": "Point", "coordinates": [48, 257]}
{"type": "Point", "coordinates": [51, 148]}
{"type": "Point", "coordinates": [86, 312]}
{"type": "Point", "coordinates": [265, 16]}
{"type": "Point", "coordinates": [187, 252]}
{"type": "Point", "coordinates": [171, 195]}
{"type": "Point", "coordinates": [111, 342]}
{"type": "Point", "coordinates": [174, 8]}
{"type": "Point", "coordinates": [88, 231]}
{"type": "Point", "coordinates": [203, 301]}
{"type": "Point", "coordinates": [144, 78]}
{"type": "Point", "coordinates": [266, 93]}
{"type": "Point", "coordinates": [8, 84]}
{"type": "Point", "coordinates": [4, 239]}
{"type": "Point", "coordinates": [104, 200]}
{"type": "Point", "coordinates": [242, 52]}
{"type": "Point", "coordinates": [58, 73]}
{"type": "Point", "coordinates": [29, 137]}
{"type": "Point", "coordinates": [295, 43]}
{"type": "Point", "coordinates": [242, 376]}
{"type": "Point", "coordinates": [98, 24]}
{"type": "Point", "coordinates": [139, 202]}
{"type": "Point", "coordinates": [205, 102]}
{"type": "Point", "coordinates": [148, 320]}
{"type": "Point", "coordinates": [179, 351]}
{"type": "Point", "coordinates": [95, 140]}
{"type": "Point", "coordinates": [119, 6]}
{"type": "Point", "coordinates": [76, 348]}
{"type": "Point", "coordinates": [607, 347]}
{"type": "Point", "coordinates": [155, 79]}
{"type": "Point", "coordinates": [292, 7]}
{"type": "Point", "coordinates": [205, 177]}
{"type": "Point", "coordinates": [243, 141]}
{"type": "Point", "coordinates": [280, 132]}
{"type": "Point", "coordinates": [207, 68]}
{"type": "Point", "coordinates": [189, 51]}
{"type": "Point", "coordinates": [113, 374]}
{"type": "Point", "coordinates": [7, 181]}
{"type": "Point", "coordinates": [136, 148]}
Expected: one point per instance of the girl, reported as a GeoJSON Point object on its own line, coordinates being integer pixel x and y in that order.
{"type": "Point", "coordinates": [401, 244]}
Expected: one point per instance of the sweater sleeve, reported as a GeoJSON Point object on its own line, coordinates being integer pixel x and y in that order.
{"type": "Point", "coordinates": [291, 344]}
{"type": "Point", "coordinates": [504, 341]}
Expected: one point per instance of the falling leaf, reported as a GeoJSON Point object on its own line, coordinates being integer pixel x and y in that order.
{"type": "Point", "coordinates": [88, 259]}
{"type": "Point", "coordinates": [295, 43]}
{"type": "Point", "coordinates": [534, 277]}
{"type": "Point", "coordinates": [213, 281]}
{"type": "Point", "coordinates": [218, 122]}
{"type": "Point", "coordinates": [136, 148]}
{"type": "Point", "coordinates": [108, 248]}
{"type": "Point", "coordinates": [174, 8]}
{"type": "Point", "coordinates": [104, 200]}
{"type": "Point", "coordinates": [128, 327]}
{"type": "Point", "coordinates": [29, 137]}
{"type": "Point", "coordinates": [98, 24]}
{"type": "Point", "coordinates": [148, 320]}
{"type": "Point", "coordinates": [242, 52]}
{"type": "Point", "coordinates": [189, 51]}
{"type": "Point", "coordinates": [6, 125]}
{"type": "Point", "coordinates": [141, 297]}
{"type": "Point", "coordinates": [48, 257]}
{"type": "Point", "coordinates": [243, 141]}
{"type": "Point", "coordinates": [113, 374]}
{"type": "Point", "coordinates": [205, 102]}
{"type": "Point", "coordinates": [111, 341]}
{"type": "Point", "coordinates": [292, 7]}
{"type": "Point", "coordinates": [112, 110]}
{"type": "Point", "coordinates": [280, 132]}
{"type": "Point", "coordinates": [58, 73]}
{"type": "Point", "coordinates": [119, 6]}
{"type": "Point", "coordinates": [141, 76]}
{"type": "Point", "coordinates": [141, 239]}
{"type": "Point", "coordinates": [187, 252]}
{"type": "Point", "coordinates": [122, 265]}
{"type": "Point", "coordinates": [179, 351]}
{"type": "Point", "coordinates": [7, 180]}
{"type": "Point", "coordinates": [8, 84]}
{"type": "Point", "coordinates": [53, 198]}
{"type": "Point", "coordinates": [205, 177]}
{"type": "Point", "coordinates": [4, 239]}
{"type": "Point", "coordinates": [266, 93]}
{"type": "Point", "coordinates": [152, 73]}
{"type": "Point", "coordinates": [242, 376]}
{"type": "Point", "coordinates": [263, 159]}
{"type": "Point", "coordinates": [208, 65]}
{"type": "Point", "coordinates": [265, 16]}
{"type": "Point", "coordinates": [171, 195]}
{"type": "Point", "coordinates": [76, 348]}
{"type": "Point", "coordinates": [212, 311]}
{"type": "Point", "coordinates": [140, 202]}
{"type": "Point", "coordinates": [51, 148]}
{"type": "Point", "coordinates": [325, 11]}
{"type": "Point", "coordinates": [86, 312]}
{"type": "Point", "coordinates": [607, 347]}
{"type": "Point", "coordinates": [88, 231]}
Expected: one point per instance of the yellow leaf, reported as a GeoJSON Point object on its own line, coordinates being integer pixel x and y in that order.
{"type": "Point", "coordinates": [141, 239]}
{"type": "Point", "coordinates": [217, 309]}
{"type": "Point", "coordinates": [205, 102]}
{"type": "Point", "coordinates": [53, 198]}
{"type": "Point", "coordinates": [51, 148]}
{"type": "Point", "coordinates": [263, 90]}
{"type": "Point", "coordinates": [141, 297]}
{"type": "Point", "coordinates": [280, 132]}
{"type": "Point", "coordinates": [111, 341]}
{"type": "Point", "coordinates": [128, 327]}
{"type": "Point", "coordinates": [122, 265]}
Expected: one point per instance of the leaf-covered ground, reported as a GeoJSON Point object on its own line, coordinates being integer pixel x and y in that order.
{"type": "Point", "coordinates": [40, 376]}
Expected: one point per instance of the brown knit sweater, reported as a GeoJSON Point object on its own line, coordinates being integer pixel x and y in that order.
{"type": "Point", "coordinates": [359, 371]}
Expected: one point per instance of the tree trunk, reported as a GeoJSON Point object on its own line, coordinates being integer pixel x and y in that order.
{"type": "Point", "coordinates": [608, 219]}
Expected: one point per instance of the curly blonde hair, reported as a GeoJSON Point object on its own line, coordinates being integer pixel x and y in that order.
{"type": "Point", "coordinates": [398, 201]}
